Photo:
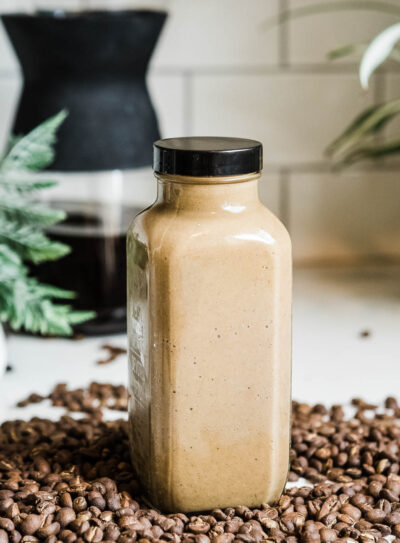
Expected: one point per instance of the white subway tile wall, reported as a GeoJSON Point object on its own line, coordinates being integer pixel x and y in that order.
{"type": "Point", "coordinates": [270, 191]}
{"type": "Point", "coordinates": [168, 95]}
{"type": "Point", "coordinates": [9, 93]}
{"type": "Point", "coordinates": [295, 115]}
{"type": "Point", "coordinates": [350, 215]}
{"type": "Point", "coordinates": [218, 34]}
{"type": "Point", "coordinates": [311, 38]}
{"type": "Point", "coordinates": [392, 92]}
{"type": "Point", "coordinates": [8, 60]}
{"type": "Point", "coordinates": [219, 69]}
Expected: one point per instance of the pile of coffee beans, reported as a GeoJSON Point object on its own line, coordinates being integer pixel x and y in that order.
{"type": "Point", "coordinates": [71, 481]}
{"type": "Point", "coordinates": [86, 400]}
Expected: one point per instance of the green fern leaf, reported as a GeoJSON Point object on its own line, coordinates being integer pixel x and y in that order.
{"type": "Point", "coordinates": [18, 210]}
{"type": "Point", "coordinates": [34, 151]}
{"type": "Point", "coordinates": [30, 244]}
{"type": "Point", "coordinates": [21, 185]}
{"type": "Point", "coordinates": [24, 302]}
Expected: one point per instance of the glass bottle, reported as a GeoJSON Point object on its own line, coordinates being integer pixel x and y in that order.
{"type": "Point", "coordinates": [209, 327]}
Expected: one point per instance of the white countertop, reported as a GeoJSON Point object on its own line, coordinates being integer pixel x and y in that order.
{"type": "Point", "coordinates": [331, 361]}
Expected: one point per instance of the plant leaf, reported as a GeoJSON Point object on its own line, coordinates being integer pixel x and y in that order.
{"type": "Point", "coordinates": [369, 122]}
{"type": "Point", "coordinates": [23, 185]}
{"type": "Point", "coordinates": [372, 151]}
{"type": "Point", "coordinates": [357, 49]}
{"type": "Point", "coordinates": [26, 303]}
{"type": "Point", "coordinates": [332, 5]}
{"type": "Point", "coordinates": [29, 212]}
{"type": "Point", "coordinates": [48, 291]}
{"type": "Point", "coordinates": [34, 151]}
{"type": "Point", "coordinates": [346, 50]}
{"type": "Point", "coordinates": [377, 52]}
{"type": "Point", "coordinates": [30, 244]}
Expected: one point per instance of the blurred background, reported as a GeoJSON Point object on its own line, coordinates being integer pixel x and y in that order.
{"type": "Point", "coordinates": [217, 70]}
{"type": "Point", "coordinates": [226, 67]}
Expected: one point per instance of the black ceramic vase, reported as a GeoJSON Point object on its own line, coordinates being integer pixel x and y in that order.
{"type": "Point", "coordinates": [93, 64]}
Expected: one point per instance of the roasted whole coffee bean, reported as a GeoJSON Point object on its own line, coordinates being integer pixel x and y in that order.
{"type": "Point", "coordinates": [89, 400]}
{"type": "Point", "coordinates": [70, 481]}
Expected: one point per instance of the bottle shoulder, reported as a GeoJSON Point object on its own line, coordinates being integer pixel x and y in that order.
{"type": "Point", "coordinates": [158, 226]}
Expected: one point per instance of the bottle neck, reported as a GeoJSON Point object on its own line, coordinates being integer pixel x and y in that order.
{"type": "Point", "coordinates": [232, 194]}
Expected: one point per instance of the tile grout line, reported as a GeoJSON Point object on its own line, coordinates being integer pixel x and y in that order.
{"type": "Point", "coordinates": [284, 197]}
{"type": "Point", "coordinates": [188, 103]}
{"type": "Point", "coordinates": [283, 59]}
{"type": "Point", "coordinates": [283, 35]}
{"type": "Point", "coordinates": [320, 167]}
{"type": "Point", "coordinates": [380, 87]}
{"type": "Point", "coordinates": [289, 69]}
{"type": "Point", "coordinates": [379, 91]}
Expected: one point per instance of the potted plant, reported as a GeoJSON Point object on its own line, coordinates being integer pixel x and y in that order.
{"type": "Point", "coordinates": [358, 141]}
{"type": "Point", "coordinates": [25, 303]}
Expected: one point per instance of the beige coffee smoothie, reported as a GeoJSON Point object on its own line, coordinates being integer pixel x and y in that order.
{"type": "Point", "coordinates": [209, 324]}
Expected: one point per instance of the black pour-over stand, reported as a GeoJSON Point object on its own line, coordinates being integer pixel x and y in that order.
{"type": "Point", "coordinates": [92, 64]}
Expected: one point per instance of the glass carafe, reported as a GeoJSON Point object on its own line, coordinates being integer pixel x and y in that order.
{"type": "Point", "coordinates": [93, 64]}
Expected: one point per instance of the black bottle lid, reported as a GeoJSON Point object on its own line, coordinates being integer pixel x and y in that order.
{"type": "Point", "coordinates": [207, 156]}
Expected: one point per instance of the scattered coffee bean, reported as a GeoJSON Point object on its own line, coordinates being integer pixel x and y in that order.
{"type": "Point", "coordinates": [113, 352]}
{"type": "Point", "coordinates": [89, 400]}
{"type": "Point", "coordinates": [71, 481]}
{"type": "Point", "coordinates": [30, 524]}
{"type": "Point", "coordinates": [65, 515]}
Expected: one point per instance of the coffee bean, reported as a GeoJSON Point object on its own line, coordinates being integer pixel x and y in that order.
{"type": "Point", "coordinates": [112, 532]}
{"type": "Point", "coordinates": [113, 501]}
{"type": "Point", "coordinates": [64, 534]}
{"type": "Point", "coordinates": [31, 524]}
{"type": "Point", "coordinates": [15, 537]}
{"type": "Point", "coordinates": [66, 500]}
{"type": "Point", "coordinates": [6, 524]}
{"type": "Point", "coordinates": [393, 518]}
{"type": "Point", "coordinates": [388, 495]}
{"type": "Point", "coordinates": [129, 521]}
{"type": "Point", "coordinates": [93, 535]}
{"type": "Point", "coordinates": [383, 529]}
{"type": "Point", "coordinates": [327, 535]}
{"type": "Point", "coordinates": [3, 536]}
{"type": "Point", "coordinates": [245, 538]}
{"type": "Point", "coordinates": [65, 515]}
{"type": "Point", "coordinates": [351, 511]}
{"type": "Point", "coordinates": [5, 504]}
{"type": "Point", "coordinates": [375, 515]}
{"type": "Point", "coordinates": [47, 531]}
{"type": "Point", "coordinates": [79, 479]}
{"type": "Point", "coordinates": [95, 498]}
{"type": "Point", "coordinates": [84, 527]}
{"type": "Point", "coordinates": [79, 504]}
{"type": "Point", "coordinates": [126, 538]}
{"type": "Point", "coordinates": [384, 505]}
{"type": "Point", "coordinates": [224, 538]}
{"type": "Point", "coordinates": [232, 526]}
{"type": "Point", "coordinates": [198, 526]}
